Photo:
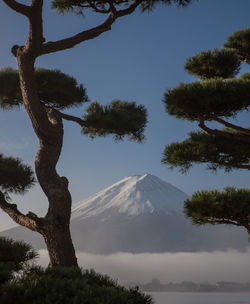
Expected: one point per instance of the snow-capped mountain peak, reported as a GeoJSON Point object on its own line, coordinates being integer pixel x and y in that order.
{"type": "Point", "coordinates": [132, 196]}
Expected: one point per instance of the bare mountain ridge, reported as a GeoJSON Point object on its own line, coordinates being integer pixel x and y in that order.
{"type": "Point", "coordinates": [140, 213]}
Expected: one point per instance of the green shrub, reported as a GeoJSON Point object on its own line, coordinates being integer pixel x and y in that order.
{"type": "Point", "coordinates": [70, 286]}
{"type": "Point", "coordinates": [58, 285]}
{"type": "Point", "coordinates": [14, 257]}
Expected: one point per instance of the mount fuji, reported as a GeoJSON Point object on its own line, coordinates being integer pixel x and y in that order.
{"type": "Point", "coordinates": [140, 213]}
{"type": "Point", "coordinates": [132, 196]}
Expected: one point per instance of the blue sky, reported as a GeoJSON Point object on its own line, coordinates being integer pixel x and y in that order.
{"type": "Point", "coordinates": [137, 60]}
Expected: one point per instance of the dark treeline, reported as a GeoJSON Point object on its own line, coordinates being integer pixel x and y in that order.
{"type": "Point", "coordinates": [187, 286]}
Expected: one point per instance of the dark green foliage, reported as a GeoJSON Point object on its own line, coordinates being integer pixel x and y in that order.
{"type": "Point", "coordinates": [59, 90]}
{"type": "Point", "coordinates": [231, 206]}
{"type": "Point", "coordinates": [57, 285]}
{"type": "Point", "coordinates": [215, 98]}
{"type": "Point", "coordinates": [79, 6]}
{"type": "Point", "coordinates": [70, 286]}
{"type": "Point", "coordinates": [208, 99]}
{"type": "Point", "coordinates": [200, 147]}
{"type": "Point", "coordinates": [119, 118]}
{"type": "Point", "coordinates": [10, 93]}
{"type": "Point", "coordinates": [55, 89]}
{"type": "Point", "coordinates": [214, 64]}
{"type": "Point", "coordinates": [14, 257]}
{"type": "Point", "coordinates": [240, 42]}
{"type": "Point", "coordinates": [14, 175]}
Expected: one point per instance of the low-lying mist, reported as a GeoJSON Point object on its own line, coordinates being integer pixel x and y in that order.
{"type": "Point", "coordinates": [201, 267]}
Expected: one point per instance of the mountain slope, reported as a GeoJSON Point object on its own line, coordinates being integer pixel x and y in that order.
{"type": "Point", "coordinates": [133, 195]}
{"type": "Point", "coordinates": [139, 214]}
{"type": "Point", "coordinates": [143, 213]}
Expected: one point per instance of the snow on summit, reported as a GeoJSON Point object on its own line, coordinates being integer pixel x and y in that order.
{"type": "Point", "coordinates": [139, 214]}
{"type": "Point", "coordinates": [132, 196]}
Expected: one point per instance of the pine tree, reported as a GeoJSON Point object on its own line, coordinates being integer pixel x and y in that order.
{"type": "Point", "coordinates": [45, 94]}
{"type": "Point", "coordinates": [228, 207]}
{"type": "Point", "coordinates": [217, 98]}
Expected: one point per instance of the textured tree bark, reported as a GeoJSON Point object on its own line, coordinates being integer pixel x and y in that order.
{"type": "Point", "coordinates": [48, 126]}
{"type": "Point", "coordinates": [59, 244]}
{"type": "Point", "coordinates": [57, 232]}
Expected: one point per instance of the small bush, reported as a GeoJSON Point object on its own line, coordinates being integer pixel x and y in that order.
{"type": "Point", "coordinates": [70, 286]}
{"type": "Point", "coordinates": [22, 283]}
{"type": "Point", "coordinates": [14, 257]}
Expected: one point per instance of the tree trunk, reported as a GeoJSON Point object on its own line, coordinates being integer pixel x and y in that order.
{"type": "Point", "coordinates": [59, 244]}
{"type": "Point", "coordinates": [48, 127]}
{"type": "Point", "coordinates": [57, 232]}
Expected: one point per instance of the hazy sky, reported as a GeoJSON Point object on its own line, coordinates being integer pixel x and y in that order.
{"type": "Point", "coordinates": [138, 60]}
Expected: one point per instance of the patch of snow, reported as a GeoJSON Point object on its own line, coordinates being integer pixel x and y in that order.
{"type": "Point", "coordinates": [133, 195]}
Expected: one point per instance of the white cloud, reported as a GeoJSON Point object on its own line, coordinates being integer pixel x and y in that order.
{"type": "Point", "coordinates": [168, 267]}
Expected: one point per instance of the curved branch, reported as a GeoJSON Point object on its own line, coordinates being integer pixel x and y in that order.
{"type": "Point", "coordinates": [31, 220]}
{"type": "Point", "coordinates": [128, 10]}
{"type": "Point", "coordinates": [70, 42]}
{"type": "Point", "coordinates": [233, 126]}
{"type": "Point", "coordinates": [112, 7]}
{"type": "Point", "coordinates": [228, 135]}
{"type": "Point", "coordinates": [223, 221]}
{"type": "Point", "coordinates": [78, 120]}
{"type": "Point", "coordinates": [18, 7]}
{"type": "Point", "coordinates": [51, 47]}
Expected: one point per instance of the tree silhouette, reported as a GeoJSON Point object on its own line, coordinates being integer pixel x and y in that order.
{"type": "Point", "coordinates": [45, 94]}
{"type": "Point", "coordinates": [229, 207]}
{"type": "Point", "coordinates": [217, 98]}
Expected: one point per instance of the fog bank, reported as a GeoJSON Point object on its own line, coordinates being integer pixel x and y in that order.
{"type": "Point", "coordinates": [168, 267]}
